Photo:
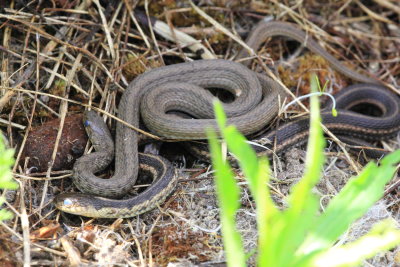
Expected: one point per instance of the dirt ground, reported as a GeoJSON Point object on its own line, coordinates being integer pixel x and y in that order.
{"type": "Point", "coordinates": [60, 56]}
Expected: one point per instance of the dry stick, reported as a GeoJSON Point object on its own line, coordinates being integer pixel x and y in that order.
{"type": "Point", "coordinates": [5, 62]}
{"type": "Point", "coordinates": [167, 31]}
{"type": "Point", "coordinates": [107, 102]}
{"type": "Point", "coordinates": [106, 29]}
{"type": "Point", "coordinates": [7, 50]}
{"type": "Point", "coordinates": [114, 18]}
{"type": "Point", "coordinates": [62, 77]}
{"type": "Point", "coordinates": [173, 34]}
{"type": "Point", "coordinates": [26, 177]}
{"type": "Point", "coordinates": [373, 14]}
{"type": "Point", "coordinates": [53, 20]}
{"type": "Point", "coordinates": [12, 124]}
{"type": "Point", "coordinates": [146, 6]}
{"type": "Point", "coordinates": [91, 89]}
{"type": "Point", "coordinates": [24, 217]}
{"type": "Point", "coordinates": [150, 252]}
{"type": "Point", "coordinates": [338, 12]}
{"type": "Point", "coordinates": [3, 75]}
{"type": "Point", "coordinates": [117, 36]}
{"type": "Point", "coordinates": [388, 5]}
{"type": "Point", "coordinates": [92, 78]}
{"type": "Point", "coordinates": [104, 93]}
{"type": "Point", "coordinates": [47, 57]}
{"type": "Point", "coordinates": [54, 72]}
{"type": "Point", "coordinates": [25, 228]}
{"type": "Point", "coordinates": [129, 8]}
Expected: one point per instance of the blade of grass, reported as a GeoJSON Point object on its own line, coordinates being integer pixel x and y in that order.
{"type": "Point", "coordinates": [303, 205]}
{"type": "Point", "coordinates": [228, 197]}
{"type": "Point", "coordinates": [314, 159]}
{"type": "Point", "coordinates": [257, 174]}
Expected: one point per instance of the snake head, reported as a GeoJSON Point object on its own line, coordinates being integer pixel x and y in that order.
{"type": "Point", "coordinates": [68, 202]}
{"type": "Point", "coordinates": [74, 203]}
{"type": "Point", "coordinates": [85, 205]}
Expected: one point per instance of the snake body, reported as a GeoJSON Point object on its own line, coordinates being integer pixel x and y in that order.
{"type": "Point", "coordinates": [158, 167]}
{"type": "Point", "coordinates": [180, 87]}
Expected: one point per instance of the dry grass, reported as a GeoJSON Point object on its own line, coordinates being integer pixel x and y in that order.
{"type": "Point", "coordinates": [61, 56]}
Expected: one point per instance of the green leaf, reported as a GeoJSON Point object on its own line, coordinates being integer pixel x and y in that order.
{"type": "Point", "coordinates": [383, 236]}
{"type": "Point", "coordinates": [4, 214]}
{"type": "Point", "coordinates": [6, 179]}
{"type": "Point", "coordinates": [356, 197]}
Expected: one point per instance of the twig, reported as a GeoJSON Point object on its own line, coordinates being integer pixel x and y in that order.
{"type": "Point", "coordinates": [25, 228]}
{"type": "Point", "coordinates": [388, 5]}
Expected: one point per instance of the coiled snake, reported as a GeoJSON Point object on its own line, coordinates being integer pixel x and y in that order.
{"type": "Point", "coordinates": [180, 87]}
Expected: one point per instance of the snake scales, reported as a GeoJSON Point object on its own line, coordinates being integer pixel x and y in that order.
{"type": "Point", "coordinates": [180, 87]}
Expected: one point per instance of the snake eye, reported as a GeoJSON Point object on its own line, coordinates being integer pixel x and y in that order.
{"type": "Point", "coordinates": [86, 123]}
{"type": "Point", "coordinates": [68, 202]}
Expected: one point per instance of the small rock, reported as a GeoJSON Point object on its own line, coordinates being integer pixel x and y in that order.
{"type": "Point", "coordinates": [40, 144]}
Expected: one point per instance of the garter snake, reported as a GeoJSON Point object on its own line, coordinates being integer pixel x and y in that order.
{"type": "Point", "coordinates": [177, 87]}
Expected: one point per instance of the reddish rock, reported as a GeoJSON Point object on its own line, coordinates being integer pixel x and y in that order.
{"type": "Point", "coordinates": [40, 144]}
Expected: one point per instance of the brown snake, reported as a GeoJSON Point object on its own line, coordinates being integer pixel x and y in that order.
{"type": "Point", "coordinates": [180, 87]}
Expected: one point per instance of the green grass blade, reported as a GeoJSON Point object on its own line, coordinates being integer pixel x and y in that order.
{"type": "Point", "coordinates": [303, 205]}
{"type": "Point", "coordinates": [243, 152]}
{"type": "Point", "coordinates": [314, 159]}
{"type": "Point", "coordinates": [228, 196]}
{"type": "Point", "coordinates": [267, 216]}
{"type": "Point", "coordinates": [245, 155]}
{"type": "Point", "coordinates": [257, 174]}
{"type": "Point", "coordinates": [220, 115]}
